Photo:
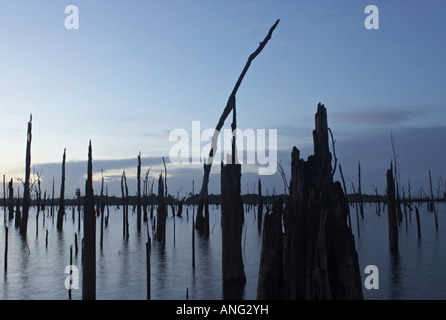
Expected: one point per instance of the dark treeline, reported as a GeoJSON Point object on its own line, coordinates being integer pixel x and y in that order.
{"type": "Point", "coordinates": [214, 199]}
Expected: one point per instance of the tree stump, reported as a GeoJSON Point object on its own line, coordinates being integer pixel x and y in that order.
{"type": "Point", "coordinates": [319, 255]}
{"type": "Point", "coordinates": [391, 212]}
{"type": "Point", "coordinates": [232, 219]}
{"type": "Point", "coordinates": [270, 283]}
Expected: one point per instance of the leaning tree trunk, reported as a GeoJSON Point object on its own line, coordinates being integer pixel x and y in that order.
{"type": "Point", "coordinates": [61, 213]}
{"type": "Point", "coordinates": [89, 255]}
{"type": "Point", "coordinates": [26, 191]}
{"type": "Point", "coordinates": [202, 222]}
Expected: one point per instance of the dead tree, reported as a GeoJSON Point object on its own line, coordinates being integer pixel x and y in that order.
{"type": "Point", "coordinates": [125, 206]}
{"type": "Point", "coordinates": [391, 212]}
{"type": "Point", "coordinates": [202, 222]}
{"type": "Point", "coordinates": [417, 216]}
{"type": "Point", "coordinates": [161, 213]}
{"type": "Point", "coordinates": [232, 219]}
{"type": "Point", "coordinates": [61, 213]}
{"type": "Point", "coordinates": [102, 205]}
{"type": "Point", "coordinates": [431, 205]}
{"type": "Point", "coordinates": [138, 196]}
{"type": "Point", "coordinates": [4, 199]}
{"type": "Point", "coordinates": [89, 251]}
{"type": "Point", "coordinates": [11, 200]}
{"type": "Point", "coordinates": [361, 205]}
{"type": "Point", "coordinates": [18, 214]}
{"type": "Point", "coordinates": [319, 254]}
{"type": "Point", "coordinates": [270, 282]}
{"type": "Point", "coordinates": [26, 191]}
{"type": "Point", "coordinates": [260, 207]}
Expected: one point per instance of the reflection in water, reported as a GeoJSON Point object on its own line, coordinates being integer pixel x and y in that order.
{"type": "Point", "coordinates": [233, 290]}
{"type": "Point", "coordinates": [395, 276]}
{"type": "Point", "coordinates": [38, 272]}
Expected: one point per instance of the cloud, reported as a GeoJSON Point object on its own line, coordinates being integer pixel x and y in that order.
{"type": "Point", "coordinates": [374, 117]}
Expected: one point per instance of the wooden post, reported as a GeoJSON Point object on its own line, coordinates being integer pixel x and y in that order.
{"type": "Point", "coordinates": [26, 191]}
{"type": "Point", "coordinates": [89, 247]}
{"type": "Point", "coordinates": [61, 212]}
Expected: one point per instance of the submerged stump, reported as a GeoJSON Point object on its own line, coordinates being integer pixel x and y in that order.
{"type": "Point", "coordinates": [392, 212]}
{"type": "Point", "coordinates": [232, 219]}
{"type": "Point", "coordinates": [270, 282]}
{"type": "Point", "coordinates": [161, 213]}
{"type": "Point", "coordinates": [319, 255]}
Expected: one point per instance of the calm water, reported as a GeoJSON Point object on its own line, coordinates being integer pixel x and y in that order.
{"type": "Point", "coordinates": [36, 271]}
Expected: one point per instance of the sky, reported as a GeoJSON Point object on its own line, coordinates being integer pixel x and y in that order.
{"type": "Point", "coordinates": [134, 71]}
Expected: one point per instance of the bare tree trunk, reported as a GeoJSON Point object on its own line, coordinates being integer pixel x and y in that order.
{"type": "Point", "coordinates": [232, 219]}
{"type": "Point", "coordinates": [320, 259]}
{"type": "Point", "coordinates": [260, 207]}
{"type": "Point", "coordinates": [123, 205]}
{"type": "Point", "coordinates": [61, 212]}
{"type": "Point", "coordinates": [417, 216]}
{"type": "Point", "coordinates": [391, 212]}
{"type": "Point", "coordinates": [6, 249]}
{"type": "Point", "coordinates": [270, 282]}
{"type": "Point", "coordinates": [89, 252]}
{"type": "Point", "coordinates": [162, 214]}
{"type": "Point", "coordinates": [26, 191]}
{"type": "Point", "coordinates": [11, 200]}
{"type": "Point", "coordinates": [361, 205]}
{"type": "Point", "coordinates": [18, 214]}
{"type": "Point", "coordinates": [4, 198]}
{"type": "Point", "coordinates": [138, 196]}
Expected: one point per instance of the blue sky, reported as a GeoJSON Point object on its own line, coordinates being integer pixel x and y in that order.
{"type": "Point", "coordinates": [136, 70]}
